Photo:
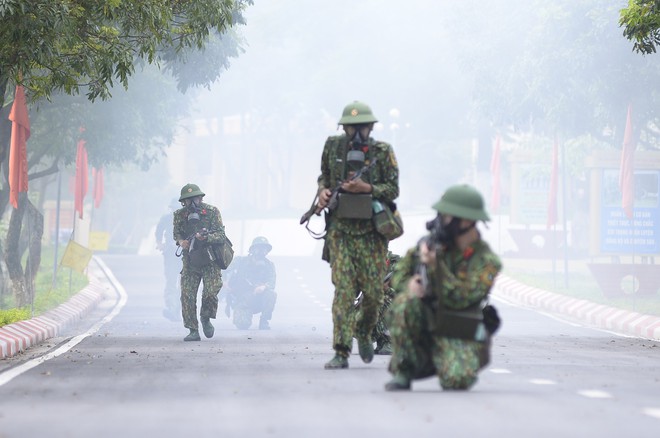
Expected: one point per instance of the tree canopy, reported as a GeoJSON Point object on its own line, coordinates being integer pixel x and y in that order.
{"type": "Point", "coordinates": [641, 24]}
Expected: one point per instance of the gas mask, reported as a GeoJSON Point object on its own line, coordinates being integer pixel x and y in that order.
{"type": "Point", "coordinates": [445, 234]}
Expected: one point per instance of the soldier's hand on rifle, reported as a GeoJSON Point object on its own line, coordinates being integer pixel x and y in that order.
{"type": "Point", "coordinates": [324, 198]}
{"type": "Point", "coordinates": [200, 236]}
{"type": "Point", "coordinates": [185, 244]}
{"type": "Point", "coordinates": [356, 186]}
{"type": "Point", "coordinates": [426, 253]}
{"type": "Point", "coordinates": [415, 286]}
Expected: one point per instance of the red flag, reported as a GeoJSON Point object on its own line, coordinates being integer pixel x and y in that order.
{"type": "Point", "coordinates": [627, 171]}
{"type": "Point", "coordinates": [20, 132]}
{"type": "Point", "coordinates": [81, 178]}
{"type": "Point", "coordinates": [554, 182]}
{"type": "Point", "coordinates": [495, 174]}
{"type": "Point", "coordinates": [97, 175]}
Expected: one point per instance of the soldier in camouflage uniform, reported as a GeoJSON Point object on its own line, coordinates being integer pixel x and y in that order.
{"type": "Point", "coordinates": [355, 250]}
{"type": "Point", "coordinates": [251, 286]}
{"type": "Point", "coordinates": [196, 226]}
{"type": "Point", "coordinates": [381, 334]}
{"type": "Point", "coordinates": [437, 319]}
{"type": "Point", "coordinates": [167, 246]}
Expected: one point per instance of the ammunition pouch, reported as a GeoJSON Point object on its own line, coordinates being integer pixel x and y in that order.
{"type": "Point", "coordinates": [473, 324]}
{"type": "Point", "coordinates": [462, 325]}
{"type": "Point", "coordinates": [201, 256]}
{"type": "Point", "coordinates": [354, 206]}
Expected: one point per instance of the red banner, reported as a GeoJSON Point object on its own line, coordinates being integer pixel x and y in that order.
{"type": "Point", "coordinates": [97, 175]}
{"type": "Point", "coordinates": [20, 133]}
{"type": "Point", "coordinates": [80, 189]}
{"type": "Point", "coordinates": [495, 174]}
{"type": "Point", "coordinates": [554, 182]}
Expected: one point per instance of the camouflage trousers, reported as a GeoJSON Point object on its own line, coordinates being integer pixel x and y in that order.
{"type": "Point", "coordinates": [358, 264]}
{"type": "Point", "coordinates": [417, 353]}
{"type": "Point", "coordinates": [211, 277]}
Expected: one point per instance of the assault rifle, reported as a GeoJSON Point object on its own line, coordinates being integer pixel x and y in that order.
{"type": "Point", "coordinates": [192, 239]}
{"type": "Point", "coordinates": [332, 203]}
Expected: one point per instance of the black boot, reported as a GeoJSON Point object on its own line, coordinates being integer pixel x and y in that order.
{"type": "Point", "coordinates": [193, 336]}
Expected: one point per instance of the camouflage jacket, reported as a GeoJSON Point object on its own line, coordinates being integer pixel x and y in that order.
{"type": "Point", "coordinates": [384, 177]}
{"type": "Point", "coordinates": [255, 271]}
{"type": "Point", "coordinates": [465, 279]}
{"type": "Point", "coordinates": [210, 219]}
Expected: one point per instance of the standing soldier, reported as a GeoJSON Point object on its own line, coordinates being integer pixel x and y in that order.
{"type": "Point", "coordinates": [355, 250]}
{"type": "Point", "coordinates": [167, 247]}
{"type": "Point", "coordinates": [196, 226]}
{"type": "Point", "coordinates": [439, 321]}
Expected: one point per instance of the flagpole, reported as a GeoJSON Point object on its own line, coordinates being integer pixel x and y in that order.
{"type": "Point", "coordinates": [563, 212]}
{"type": "Point", "coordinates": [57, 223]}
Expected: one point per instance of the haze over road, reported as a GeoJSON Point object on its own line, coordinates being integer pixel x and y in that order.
{"type": "Point", "coordinates": [135, 376]}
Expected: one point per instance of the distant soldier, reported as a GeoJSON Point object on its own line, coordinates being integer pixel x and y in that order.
{"type": "Point", "coordinates": [440, 323]}
{"type": "Point", "coordinates": [251, 286]}
{"type": "Point", "coordinates": [167, 246]}
{"type": "Point", "coordinates": [355, 250]}
{"type": "Point", "coordinates": [196, 226]}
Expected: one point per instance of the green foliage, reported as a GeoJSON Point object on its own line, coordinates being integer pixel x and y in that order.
{"type": "Point", "coordinates": [68, 284]}
{"type": "Point", "coordinates": [77, 45]}
{"type": "Point", "coordinates": [13, 315]}
{"type": "Point", "coordinates": [641, 23]}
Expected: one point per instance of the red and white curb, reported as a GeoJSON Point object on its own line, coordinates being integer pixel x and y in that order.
{"type": "Point", "coordinates": [598, 315]}
{"type": "Point", "coordinates": [17, 337]}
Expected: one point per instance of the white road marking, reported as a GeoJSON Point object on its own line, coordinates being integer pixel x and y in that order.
{"type": "Point", "coordinates": [594, 393]}
{"type": "Point", "coordinates": [652, 412]}
{"type": "Point", "coordinates": [542, 382]}
{"type": "Point", "coordinates": [500, 371]}
{"type": "Point", "coordinates": [10, 374]}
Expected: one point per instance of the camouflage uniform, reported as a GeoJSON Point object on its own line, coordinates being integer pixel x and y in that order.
{"type": "Point", "coordinates": [246, 274]}
{"type": "Point", "coordinates": [171, 296]}
{"type": "Point", "coordinates": [355, 251]}
{"type": "Point", "coordinates": [191, 277]}
{"type": "Point", "coordinates": [467, 277]}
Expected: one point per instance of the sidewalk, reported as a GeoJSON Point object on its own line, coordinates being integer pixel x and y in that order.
{"type": "Point", "coordinates": [586, 312]}
{"type": "Point", "coordinates": [17, 337]}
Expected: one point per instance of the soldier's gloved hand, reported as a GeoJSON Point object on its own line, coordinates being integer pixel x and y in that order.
{"type": "Point", "coordinates": [324, 198]}
{"type": "Point", "coordinates": [415, 287]}
{"type": "Point", "coordinates": [426, 254]}
{"type": "Point", "coordinates": [357, 186]}
{"type": "Point", "coordinates": [184, 244]}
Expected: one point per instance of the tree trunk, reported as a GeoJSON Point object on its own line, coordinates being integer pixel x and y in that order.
{"type": "Point", "coordinates": [23, 280]}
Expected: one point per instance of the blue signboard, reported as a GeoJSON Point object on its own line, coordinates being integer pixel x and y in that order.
{"type": "Point", "coordinates": [639, 234]}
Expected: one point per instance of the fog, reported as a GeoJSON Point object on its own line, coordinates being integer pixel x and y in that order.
{"type": "Point", "coordinates": [254, 140]}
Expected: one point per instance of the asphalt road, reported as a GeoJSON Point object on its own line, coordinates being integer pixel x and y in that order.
{"type": "Point", "coordinates": [135, 377]}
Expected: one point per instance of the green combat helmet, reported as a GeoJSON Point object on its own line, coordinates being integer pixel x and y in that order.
{"type": "Point", "coordinates": [260, 241]}
{"type": "Point", "coordinates": [357, 113]}
{"type": "Point", "coordinates": [462, 201]}
{"type": "Point", "coordinates": [190, 191]}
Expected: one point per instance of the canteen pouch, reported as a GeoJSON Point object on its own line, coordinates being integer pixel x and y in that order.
{"type": "Point", "coordinates": [387, 221]}
{"type": "Point", "coordinates": [354, 206]}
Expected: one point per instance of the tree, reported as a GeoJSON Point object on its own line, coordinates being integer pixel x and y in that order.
{"type": "Point", "coordinates": [55, 47]}
{"type": "Point", "coordinates": [641, 23]}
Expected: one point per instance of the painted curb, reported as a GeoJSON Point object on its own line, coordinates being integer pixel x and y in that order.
{"type": "Point", "coordinates": [609, 318]}
{"type": "Point", "coordinates": [17, 337]}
